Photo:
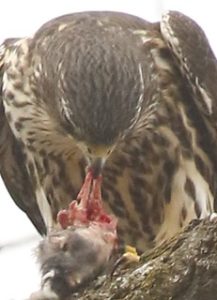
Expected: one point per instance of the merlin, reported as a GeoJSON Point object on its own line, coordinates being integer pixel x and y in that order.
{"type": "Point", "coordinates": [134, 101]}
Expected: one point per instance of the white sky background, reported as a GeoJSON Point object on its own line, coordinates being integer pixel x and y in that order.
{"type": "Point", "coordinates": [18, 273]}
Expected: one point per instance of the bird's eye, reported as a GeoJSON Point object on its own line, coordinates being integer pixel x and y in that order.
{"type": "Point", "coordinates": [108, 152]}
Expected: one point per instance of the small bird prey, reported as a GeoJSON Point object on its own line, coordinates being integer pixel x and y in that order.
{"type": "Point", "coordinates": [71, 257]}
{"type": "Point", "coordinates": [113, 94]}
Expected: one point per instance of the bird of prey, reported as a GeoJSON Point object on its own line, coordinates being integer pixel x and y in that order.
{"type": "Point", "coordinates": [131, 100]}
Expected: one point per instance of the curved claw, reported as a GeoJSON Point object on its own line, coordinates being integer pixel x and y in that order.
{"type": "Point", "coordinates": [130, 256]}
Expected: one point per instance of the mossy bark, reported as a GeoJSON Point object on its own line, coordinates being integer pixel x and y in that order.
{"type": "Point", "coordinates": [184, 268]}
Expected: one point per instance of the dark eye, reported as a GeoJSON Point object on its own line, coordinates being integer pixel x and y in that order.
{"type": "Point", "coordinates": [108, 152]}
{"type": "Point", "coordinates": [65, 247]}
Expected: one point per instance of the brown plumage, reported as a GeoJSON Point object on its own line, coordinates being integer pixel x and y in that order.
{"type": "Point", "coordinates": [124, 96]}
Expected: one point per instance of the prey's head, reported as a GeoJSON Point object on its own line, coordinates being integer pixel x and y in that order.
{"type": "Point", "coordinates": [72, 257]}
{"type": "Point", "coordinates": [100, 86]}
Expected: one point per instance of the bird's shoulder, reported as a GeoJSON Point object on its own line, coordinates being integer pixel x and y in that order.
{"type": "Point", "coordinates": [194, 57]}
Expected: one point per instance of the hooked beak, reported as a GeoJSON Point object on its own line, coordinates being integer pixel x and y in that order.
{"type": "Point", "coordinates": [96, 166]}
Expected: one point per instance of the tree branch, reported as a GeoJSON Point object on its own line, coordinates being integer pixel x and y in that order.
{"type": "Point", "coordinates": [184, 268]}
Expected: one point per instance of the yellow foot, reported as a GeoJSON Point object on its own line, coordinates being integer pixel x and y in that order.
{"type": "Point", "coordinates": [130, 256]}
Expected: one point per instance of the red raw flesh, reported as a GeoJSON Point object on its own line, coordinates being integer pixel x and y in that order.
{"type": "Point", "coordinates": [88, 206]}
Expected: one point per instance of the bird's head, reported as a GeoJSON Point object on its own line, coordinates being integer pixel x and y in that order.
{"type": "Point", "coordinates": [100, 87]}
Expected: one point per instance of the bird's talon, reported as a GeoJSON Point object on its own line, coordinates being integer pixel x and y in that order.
{"type": "Point", "coordinates": [130, 256]}
{"type": "Point", "coordinates": [130, 249]}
